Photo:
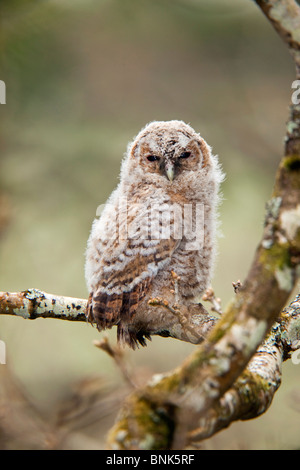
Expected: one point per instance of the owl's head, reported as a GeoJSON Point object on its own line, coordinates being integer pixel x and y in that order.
{"type": "Point", "coordinates": [167, 151]}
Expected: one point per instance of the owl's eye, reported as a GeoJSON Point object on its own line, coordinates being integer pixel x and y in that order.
{"type": "Point", "coordinates": [153, 158]}
{"type": "Point", "coordinates": [185, 155]}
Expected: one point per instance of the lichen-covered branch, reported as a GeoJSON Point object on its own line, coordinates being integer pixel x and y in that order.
{"type": "Point", "coordinates": [252, 393]}
{"type": "Point", "coordinates": [152, 417]}
{"type": "Point", "coordinates": [33, 303]}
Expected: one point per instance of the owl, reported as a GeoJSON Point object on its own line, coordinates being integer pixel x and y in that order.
{"type": "Point", "coordinates": [161, 219]}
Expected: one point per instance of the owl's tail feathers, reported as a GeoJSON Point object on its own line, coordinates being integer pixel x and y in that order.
{"type": "Point", "coordinates": [89, 309]}
{"type": "Point", "coordinates": [105, 311]}
{"type": "Point", "coordinates": [102, 310]}
{"type": "Point", "coordinates": [133, 339]}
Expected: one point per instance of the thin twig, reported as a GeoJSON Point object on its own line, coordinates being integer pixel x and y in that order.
{"type": "Point", "coordinates": [118, 356]}
{"type": "Point", "coordinates": [236, 286]}
{"type": "Point", "coordinates": [209, 296]}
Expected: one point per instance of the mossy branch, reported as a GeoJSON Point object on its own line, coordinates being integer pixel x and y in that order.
{"type": "Point", "coordinates": [152, 416]}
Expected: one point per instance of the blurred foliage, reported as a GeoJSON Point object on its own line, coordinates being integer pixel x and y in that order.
{"type": "Point", "coordinates": [82, 78]}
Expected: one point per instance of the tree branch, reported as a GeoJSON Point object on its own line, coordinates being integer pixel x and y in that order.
{"type": "Point", "coordinates": [250, 396]}
{"type": "Point", "coordinates": [33, 303]}
{"type": "Point", "coordinates": [252, 393]}
{"type": "Point", "coordinates": [194, 322]}
{"type": "Point", "coordinates": [285, 18]}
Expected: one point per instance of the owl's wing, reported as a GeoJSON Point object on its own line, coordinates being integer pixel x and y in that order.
{"type": "Point", "coordinates": [124, 280]}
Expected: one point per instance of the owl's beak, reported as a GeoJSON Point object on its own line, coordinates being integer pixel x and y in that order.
{"type": "Point", "coordinates": [170, 171]}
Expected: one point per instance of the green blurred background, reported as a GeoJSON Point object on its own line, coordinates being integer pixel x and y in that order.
{"type": "Point", "coordinates": [82, 78]}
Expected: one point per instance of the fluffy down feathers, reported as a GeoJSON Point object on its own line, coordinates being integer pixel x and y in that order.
{"type": "Point", "coordinates": [162, 218]}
